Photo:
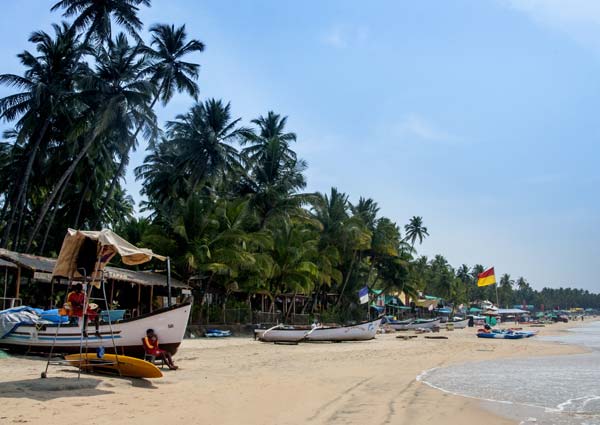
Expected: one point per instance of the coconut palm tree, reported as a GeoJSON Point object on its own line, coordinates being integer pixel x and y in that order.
{"type": "Point", "coordinates": [205, 136]}
{"type": "Point", "coordinates": [47, 89]}
{"type": "Point", "coordinates": [168, 73]}
{"type": "Point", "coordinates": [117, 102]}
{"type": "Point", "coordinates": [415, 230]}
{"type": "Point", "coordinates": [94, 17]}
{"type": "Point", "coordinates": [275, 173]}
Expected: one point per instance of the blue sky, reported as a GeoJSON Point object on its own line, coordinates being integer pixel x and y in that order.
{"type": "Point", "coordinates": [479, 115]}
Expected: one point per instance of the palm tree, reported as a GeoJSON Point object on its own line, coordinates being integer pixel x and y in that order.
{"type": "Point", "coordinates": [275, 172]}
{"type": "Point", "coordinates": [415, 230]}
{"type": "Point", "coordinates": [205, 136]}
{"type": "Point", "coordinates": [48, 85]}
{"type": "Point", "coordinates": [367, 209]}
{"type": "Point", "coordinates": [95, 16]}
{"type": "Point", "coordinates": [117, 102]}
{"type": "Point", "coordinates": [169, 73]}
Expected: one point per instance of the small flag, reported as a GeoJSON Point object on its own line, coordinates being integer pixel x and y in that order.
{"type": "Point", "coordinates": [363, 295]}
{"type": "Point", "coordinates": [486, 278]}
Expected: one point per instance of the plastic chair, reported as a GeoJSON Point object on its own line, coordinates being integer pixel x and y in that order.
{"type": "Point", "coordinates": [150, 358]}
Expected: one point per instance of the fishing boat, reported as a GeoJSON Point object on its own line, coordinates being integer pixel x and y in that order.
{"type": "Point", "coordinates": [458, 324]}
{"type": "Point", "coordinates": [126, 335]}
{"type": "Point", "coordinates": [82, 259]}
{"type": "Point", "coordinates": [404, 325]}
{"type": "Point", "coordinates": [284, 333]}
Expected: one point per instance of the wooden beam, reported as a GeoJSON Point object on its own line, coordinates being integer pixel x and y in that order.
{"type": "Point", "coordinates": [151, 296]}
{"type": "Point", "coordinates": [139, 299]}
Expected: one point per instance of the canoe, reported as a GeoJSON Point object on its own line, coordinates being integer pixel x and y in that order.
{"type": "Point", "coordinates": [169, 324]}
{"type": "Point", "coordinates": [283, 333]}
{"type": "Point", "coordinates": [115, 365]}
{"type": "Point", "coordinates": [414, 324]}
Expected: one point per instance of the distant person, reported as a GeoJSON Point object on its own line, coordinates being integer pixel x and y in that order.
{"type": "Point", "coordinates": [150, 342]}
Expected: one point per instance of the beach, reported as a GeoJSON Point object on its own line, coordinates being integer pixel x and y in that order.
{"type": "Point", "coordinates": [241, 381]}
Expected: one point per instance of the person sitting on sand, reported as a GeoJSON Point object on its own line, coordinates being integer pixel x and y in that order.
{"type": "Point", "coordinates": [487, 329]}
{"type": "Point", "coordinates": [151, 347]}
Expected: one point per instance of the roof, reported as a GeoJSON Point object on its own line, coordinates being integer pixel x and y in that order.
{"type": "Point", "coordinates": [511, 311]}
{"type": "Point", "coordinates": [147, 278]}
{"type": "Point", "coordinates": [46, 265]}
{"type": "Point", "coordinates": [7, 264]}
{"type": "Point", "coordinates": [30, 262]}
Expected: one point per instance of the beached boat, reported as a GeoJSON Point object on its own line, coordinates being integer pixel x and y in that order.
{"type": "Point", "coordinates": [168, 323]}
{"type": "Point", "coordinates": [404, 325]}
{"type": "Point", "coordinates": [283, 333]}
{"type": "Point", "coordinates": [458, 324]}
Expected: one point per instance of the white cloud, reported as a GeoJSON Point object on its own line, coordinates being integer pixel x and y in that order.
{"type": "Point", "coordinates": [344, 36]}
{"type": "Point", "coordinates": [579, 19]}
{"type": "Point", "coordinates": [413, 126]}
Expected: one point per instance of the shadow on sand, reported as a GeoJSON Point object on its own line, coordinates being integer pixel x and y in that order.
{"type": "Point", "coordinates": [58, 387]}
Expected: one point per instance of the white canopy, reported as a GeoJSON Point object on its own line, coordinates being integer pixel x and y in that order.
{"type": "Point", "coordinates": [92, 250]}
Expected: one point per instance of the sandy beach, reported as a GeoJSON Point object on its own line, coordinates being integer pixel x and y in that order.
{"type": "Point", "coordinates": [241, 381]}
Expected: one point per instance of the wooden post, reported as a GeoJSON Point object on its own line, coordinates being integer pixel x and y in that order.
{"type": "Point", "coordinates": [112, 291]}
{"type": "Point", "coordinates": [18, 288]}
{"type": "Point", "coordinates": [151, 297]}
{"type": "Point", "coordinates": [139, 299]}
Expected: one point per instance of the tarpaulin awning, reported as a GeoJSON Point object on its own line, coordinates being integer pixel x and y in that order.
{"type": "Point", "coordinates": [88, 252]}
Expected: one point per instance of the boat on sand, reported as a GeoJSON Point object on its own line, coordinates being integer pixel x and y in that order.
{"type": "Point", "coordinates": [284, 333]}
{"type": "Point", "coordinates": [404, 325]}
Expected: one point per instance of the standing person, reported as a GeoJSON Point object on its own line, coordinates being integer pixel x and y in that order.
{"type": "Point", "coordinates": [151, 347]}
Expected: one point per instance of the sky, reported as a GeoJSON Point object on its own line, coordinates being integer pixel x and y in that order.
{"type": "Point", "coordinates": [481, 116]}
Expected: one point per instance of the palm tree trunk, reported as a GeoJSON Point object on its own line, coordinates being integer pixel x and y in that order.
{"type": "Point", "coordinates": [20, 222]}
{"type": "Point", "coordinates": [51, 221]}
{"type": "Point", "coordinates": [55, 189]}
{"type": "Point", "coordinates": [81, 201]}
{"type": "Point", "coordinates": [24, 181]}
{"type": "Point", "coordinates": [347, 278]}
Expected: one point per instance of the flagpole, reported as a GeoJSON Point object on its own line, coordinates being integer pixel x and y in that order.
{"type": "Point", "coordinates": [497, 299]}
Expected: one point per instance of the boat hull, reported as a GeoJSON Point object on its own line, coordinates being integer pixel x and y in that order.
{"type": "Point", "coordinates": [360, 332]}
{"type": "Point", "coordinates": [168, 323]}
{"type": "Point", "coordinates": [500, 335]}
{"type": "Point", "coordinates": [459, 324]}
{"type": "Point", "coordinates": [419, 325]}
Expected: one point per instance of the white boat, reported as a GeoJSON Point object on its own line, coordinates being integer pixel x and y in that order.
{"type": "Point", "coordinates": [283, 333]}
{"type": "Point", "coordinates": [414, 324]}
{"type": "Point", "coordinates": [458, 324]}
{"type": "Point", "coordinates": [168, 323]}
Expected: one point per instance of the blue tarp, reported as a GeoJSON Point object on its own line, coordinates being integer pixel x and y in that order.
{"type": "Point", "coordinates": [12, 318]}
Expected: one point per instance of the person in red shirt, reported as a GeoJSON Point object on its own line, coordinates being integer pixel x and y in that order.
{"type": "Point", "coordinates": [76, 300]}
{"type": "Point", "coordinates": [150, 342]}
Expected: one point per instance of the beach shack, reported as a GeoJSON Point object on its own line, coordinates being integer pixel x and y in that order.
{"type": "Point", "coordinates": [28, 281]}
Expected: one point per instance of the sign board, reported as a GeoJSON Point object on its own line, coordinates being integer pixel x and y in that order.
{"type": "Point", "coordinates": [42, 276]}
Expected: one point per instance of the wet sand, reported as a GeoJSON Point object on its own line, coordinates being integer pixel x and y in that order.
{"type": "Point", "coordinates": [241, 381]}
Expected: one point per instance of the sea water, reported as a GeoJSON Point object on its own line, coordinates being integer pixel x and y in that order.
{"type": "Point", "coordinates": [557, 390]}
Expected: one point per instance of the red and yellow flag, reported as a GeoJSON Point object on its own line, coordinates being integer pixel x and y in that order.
{"type": "Point", "coordinates": [486, 278]}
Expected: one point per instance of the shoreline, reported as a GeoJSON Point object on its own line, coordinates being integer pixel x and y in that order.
{"type": "Point", "coordinates": [238, 380]}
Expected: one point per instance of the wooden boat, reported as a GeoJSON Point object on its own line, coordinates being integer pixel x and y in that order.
{"type": "Point", "coordinates": [283, 333]}
{"type": "Point", "coordinates": [168, 323]}
{"type": "Point", "coordinates": [115, 365]}
{"type": "Point", "coordinates": [414, 324]}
